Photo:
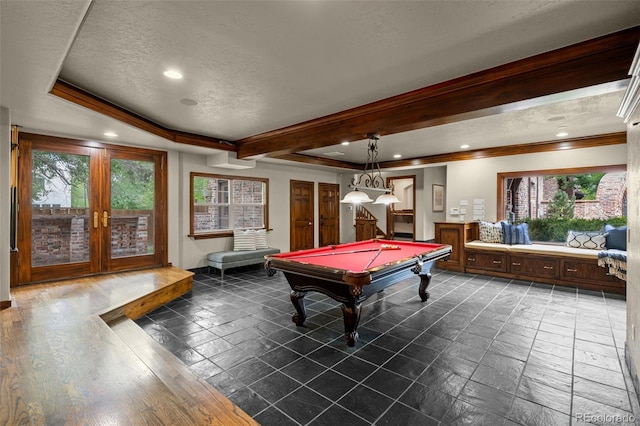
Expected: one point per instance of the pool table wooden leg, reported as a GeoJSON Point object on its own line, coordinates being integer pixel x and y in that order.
{"type": "Point", "coordinates": [297, 298]}
{"type": "Point", "coordinates": [351, 314]}
{"type": "Point", "coordinates": [423, 269]}
{"type": "Point", "coordinates": [425, 280]}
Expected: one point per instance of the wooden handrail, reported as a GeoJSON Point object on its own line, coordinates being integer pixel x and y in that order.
{"type": "Point", "coordinates": [363, 214]}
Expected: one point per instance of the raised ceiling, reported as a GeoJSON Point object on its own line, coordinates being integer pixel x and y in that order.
{"type": "Point", "coordinates": [256, 67]}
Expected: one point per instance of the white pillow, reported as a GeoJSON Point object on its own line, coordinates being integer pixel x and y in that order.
{"type": "Point", "coordinates": [587, 240]}
{"type": "Point", "coordinates": [490, 232]}
{"type": "Point", "coordinates": [244, 240]}
{"type": "Point", "coordinates": [261, 239]}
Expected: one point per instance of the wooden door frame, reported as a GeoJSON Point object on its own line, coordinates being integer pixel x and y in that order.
{"type": "Point", "coordinates": [389, 179]}
{"type": "Point", "coordinates": [26, 140]}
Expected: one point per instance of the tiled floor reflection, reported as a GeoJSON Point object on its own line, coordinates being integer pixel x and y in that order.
{"type": "Point", "coordinates": [481, 351]}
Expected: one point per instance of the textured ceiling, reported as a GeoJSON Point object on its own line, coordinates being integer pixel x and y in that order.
{"type": "Point", "coordinates": [256, 66]}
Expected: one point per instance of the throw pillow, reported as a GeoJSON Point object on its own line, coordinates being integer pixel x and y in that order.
{"type": "Point", "coordinates": [261, 239]}
{"type": "Point", "coordinates": [616, 237]}
{"type": "Point", "coordinates": [490, 232]}
{"type": "Point", "coordinates": [515, 234]}
{"type": "Point", "coordinates": [587, 240]}
{"type": "Point", "coordinates": [244, 240]}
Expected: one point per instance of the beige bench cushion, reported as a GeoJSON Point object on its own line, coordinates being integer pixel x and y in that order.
{"type": "Point", "coordinates": [541, 249]}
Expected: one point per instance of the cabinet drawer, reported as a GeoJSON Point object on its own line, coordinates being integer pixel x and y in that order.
{"type": "Point", "coordinates": [544, 267]}
{"type": "Point", "coordinates": [587, 271]}
{"type": "Point", "coordinates": [490, 261]}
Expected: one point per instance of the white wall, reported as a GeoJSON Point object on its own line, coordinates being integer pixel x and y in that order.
{"type": "Point", "coordinates": [476, 179]}
{"type": "Point", "coordinates": [633, 244]}
{"type": "Point", "coordinates": [432, 176]}
{"type": "Point", "coordinates": [5, 196]}
{"type": "Point", "coordinates": [192, 253]}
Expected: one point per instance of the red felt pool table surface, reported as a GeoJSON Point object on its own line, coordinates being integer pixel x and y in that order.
{"type": "Point", "coordinates": [356, 256]}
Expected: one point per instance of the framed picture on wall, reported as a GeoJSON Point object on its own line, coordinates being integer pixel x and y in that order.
{"type": "Point", "coordinates": [438, 198]}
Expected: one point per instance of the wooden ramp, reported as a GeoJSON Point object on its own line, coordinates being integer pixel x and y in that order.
{"type": "Point", "coordinates": [70, 354]}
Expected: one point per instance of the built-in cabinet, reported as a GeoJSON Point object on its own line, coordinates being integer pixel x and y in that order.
{"type": "Point", "coordinates": [562, 270]}
{"type": "Point", "coordinates": [455, 234]}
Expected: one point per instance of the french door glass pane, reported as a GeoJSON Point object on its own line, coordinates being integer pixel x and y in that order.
{"type": "Point", "coordinates": [60, 202]}
{"type": "Point", "coordinates": [132, 208]}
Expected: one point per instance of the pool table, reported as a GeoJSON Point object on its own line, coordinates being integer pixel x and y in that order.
{"type": "Point", "coordinates": [349, 273]}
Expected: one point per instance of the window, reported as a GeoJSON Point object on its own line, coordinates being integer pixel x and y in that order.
{"type": "Point", "coordinates": [220, 204]}
{"type": "Point", "coordinates": [552, 201]}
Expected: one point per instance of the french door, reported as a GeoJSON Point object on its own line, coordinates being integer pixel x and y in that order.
{"type": "Point", "coordinates": [88, 209]}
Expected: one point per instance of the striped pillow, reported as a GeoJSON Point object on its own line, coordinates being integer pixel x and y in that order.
{"type": "Point", "coordinates": [515, 234]}
{"type": "Point", "coordinates": [261, 239]}
{"type": "Point", "coordinates": [244, 240]}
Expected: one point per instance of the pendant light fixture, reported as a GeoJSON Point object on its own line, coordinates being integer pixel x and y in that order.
{"type": "Point", "coordinates": [370, 179]}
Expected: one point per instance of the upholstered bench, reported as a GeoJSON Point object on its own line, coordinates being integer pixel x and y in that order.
{"type": "Point", "coordinates": [223, 260]}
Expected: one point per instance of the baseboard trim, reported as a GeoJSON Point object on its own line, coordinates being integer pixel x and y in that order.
{"type": "Point", "coordinates": [4, 304]}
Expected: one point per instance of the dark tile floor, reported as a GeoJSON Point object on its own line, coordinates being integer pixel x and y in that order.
{"type": "Point", "coordinates": [481, 351]}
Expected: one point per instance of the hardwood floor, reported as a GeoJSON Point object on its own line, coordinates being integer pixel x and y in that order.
{"type": "Point", "coordinates": [70, 354]}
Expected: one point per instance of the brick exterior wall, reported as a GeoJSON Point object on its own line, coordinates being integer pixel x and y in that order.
{"type": "Point", "coordinates": [611, 198]}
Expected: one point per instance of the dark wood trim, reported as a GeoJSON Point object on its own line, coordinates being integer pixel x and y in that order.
{"type": "Point", "coordinates": [5, 304]}
{"type": "Point", "coordinates": [501, 151]}
{"type": "Point", "coordinates": [225, 233]}
{"type": "Point", "coordinates": [567, 171]}
{"type": "Point", "coordinates": [88, 100]}
{"type": "Point", "coordinates": [321, 161]}
{"type": "Point", "coordinates": [599, 66]}
{"type": "Point", "coordinates": [504, 88]}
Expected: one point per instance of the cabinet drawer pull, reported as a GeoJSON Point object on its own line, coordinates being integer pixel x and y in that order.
{"type": "Point", "coordinates": [571, 270]}
{"type": "Point", "coordinates": [548, 267]}
{"type": "Point", "coordinates": [497, 262]}
{"type": "Point", "coordinates": [516, 264]}
{"type": "Point", "coordinates": [471, 259]}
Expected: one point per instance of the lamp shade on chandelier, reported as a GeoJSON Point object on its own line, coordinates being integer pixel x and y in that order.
{"type": "Point", "coordinates": [370, 179]}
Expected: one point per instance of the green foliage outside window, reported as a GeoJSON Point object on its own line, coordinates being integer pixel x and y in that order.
{"type": "Point", "coordinates": [556, 230]}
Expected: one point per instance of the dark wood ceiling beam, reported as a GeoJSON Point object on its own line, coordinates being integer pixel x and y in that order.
{"type": "Point", "coordinates": [321, 161]}
{"type": "Point", "coordinates": [504, 88]}
{"type": "Point", "coordinates": [88, 100]}
{"type": "Point", "coordinates": [501, 151]}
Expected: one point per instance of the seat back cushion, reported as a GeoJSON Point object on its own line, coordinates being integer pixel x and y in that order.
{"type": "Point", "coordinates": [261, 239]}
{"type": "Point", "coordinates": [515, 234]}
{"type": "Point", "coordinates": [616, 237]}
{"type": "Point", "coordinates": [490, 232]}
{"type": "Point", "coordinates": [244, 239]}
{"type": "Point", "coordinates": [586, 239]}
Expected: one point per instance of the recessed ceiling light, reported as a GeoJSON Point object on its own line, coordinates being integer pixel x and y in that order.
{"type": "Point", "coordinates": [562, 134]}
{"type": "Point", "coordinates": [111, 134]}
{"type": "Point", "coordinates": [188, 102]}
{"type": "Point", "coordinates": [176, 75]}
{"type": "Point", "coordinates": [556, 118]}
{"type": "Point", "coordinates": [465, 146]}
{"type": "Point", "coordinates": [397, 155]}
{"type": "Point", "coordinates": [344, 143]}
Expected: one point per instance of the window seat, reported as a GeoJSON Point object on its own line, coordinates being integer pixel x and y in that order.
{"type": "Point", "coordinates": [547, 263]}
{"type": "Point", "coordinates": [223, 260]}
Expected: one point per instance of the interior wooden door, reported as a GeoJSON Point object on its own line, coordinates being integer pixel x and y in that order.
{"type": "Point", "coordinates": [301, 211]}
{"type": "Point", "coordinates": [88, 209]}
{"type": "Point", "coordinates": [329, 213]}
